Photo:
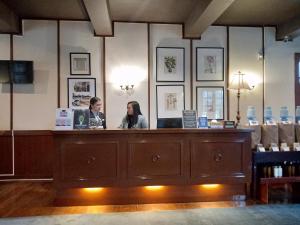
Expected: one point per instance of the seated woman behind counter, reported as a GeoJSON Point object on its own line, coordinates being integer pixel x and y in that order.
{"type": "Point", "coordinates": [134, 117]}
{"type": "Point", "coordinates": [95, 107]}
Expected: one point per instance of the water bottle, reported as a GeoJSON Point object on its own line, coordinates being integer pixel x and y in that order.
{"type": "Point", "coordinates": [284, 113]}
{"type": "Point", "coordinates": [251, 113]}
{"type": "Point", "coordinates": [268, 113]}
{"type": "Point", "coordinates": [297, 114]}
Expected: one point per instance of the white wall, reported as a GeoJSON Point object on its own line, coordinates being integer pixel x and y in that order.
{"type": "Point", "coordinates": [280, 72]}
{"type": "Point", "coordinates": [34, 104]}
{"type": "Point", "coordinates": [4, 88]}
{"type": "Point", "coordinates": [214, 36]}
{"type": "Point", "coordinates": [166, 35]}
{"type": "Point", "coordinates": [244, 45]}
{"type": "Point", "coordinates": [127, 48]}
{"type": "Point", "coordinates": [78, 36]}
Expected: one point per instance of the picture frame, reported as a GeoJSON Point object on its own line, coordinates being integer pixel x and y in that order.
{"type": "Point", "coordinates": [170, 101]}
{"type": "Point", "coordinates": [80, 91]}
{"type": "Point", "coordinates": [209, 64]}
{"type": "Point", "coordinates": [210, 102]}
{"type": "Point", "coordinates": [170, 64]}
{"type": "Point", "coordinates": [80, 63]}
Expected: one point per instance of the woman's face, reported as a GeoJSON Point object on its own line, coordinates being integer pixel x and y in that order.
{"type": "Point", "coordinates": [129, 109]}
{"type": "Point", "coordinates": [97, 106]}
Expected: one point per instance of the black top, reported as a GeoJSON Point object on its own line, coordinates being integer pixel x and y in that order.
{"type": "Point", "coordinates": [101, 116]}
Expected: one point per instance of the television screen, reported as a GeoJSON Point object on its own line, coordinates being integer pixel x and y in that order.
{"type": "Point", "coordinates": [169, 123]}
{"type": "Point", "coordinates": [22, 72]}
{"type": "Point", "coordinates": [4, 71]}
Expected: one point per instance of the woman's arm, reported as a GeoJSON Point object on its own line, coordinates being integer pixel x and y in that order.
{"type": "Point", "coordinates": [143, 123]}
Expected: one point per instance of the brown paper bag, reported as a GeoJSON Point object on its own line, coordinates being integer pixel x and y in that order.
{"type": "Point", "coordinates": [286, 134]}
{"type": "Point", "coordinates": [269, 135]}
{"type": "Point", "coordinates": [255, 134]}
{"type": "Point", "coordinates": [297, 130]}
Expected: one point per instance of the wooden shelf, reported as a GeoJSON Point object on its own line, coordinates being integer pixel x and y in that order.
{"type": "Point", "coordinates": [279, 180]}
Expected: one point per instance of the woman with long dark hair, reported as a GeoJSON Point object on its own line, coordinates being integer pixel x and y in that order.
{"type": "Point", "coordinates": [134, 117]}
{"type": "Point", "coordinates": [95, 114]}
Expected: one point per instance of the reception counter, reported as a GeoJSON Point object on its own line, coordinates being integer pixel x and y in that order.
{"type": "Point", "coordinates": [123, 163]}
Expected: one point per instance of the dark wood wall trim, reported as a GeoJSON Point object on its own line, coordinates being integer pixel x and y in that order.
{"type": "Point", "coordinates": [149, 70]}
{"type": "Point", "coordinates": [11, 96]}
{"type": "Point", "coordinates": [191, 74]}
{"type": "Point", "coordinates": [263, 71]}
{"type": "Point", "coordinates": [58, 64]}
{"type": "Point", "coordinates": [227, 71]}
{"type": "Point", "coordinates": [297, 79]}
{"type": "Point", "coordinates": [104, 73]}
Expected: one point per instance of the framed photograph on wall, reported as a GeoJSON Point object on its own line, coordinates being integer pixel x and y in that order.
{"type": "Point", "coordinates": [169, 101]}
{"type": "Point", "coordinates": [80, 63]}
{"type": "Point", "coordinates": [210, 102]}
{"type": "Point", "coordinates": [209, 64]}
{"type": "Point", "coordinates": [170, 64]}
{"type": "Point", "coordinates": [80, 91]}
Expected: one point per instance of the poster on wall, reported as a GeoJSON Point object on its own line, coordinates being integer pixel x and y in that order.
{"type": "Point", "coordinates": [170, 64]}
{"type": "Point", "coordinates": [209, 64]}
{"type": "Point", "coordinates": [210, 102]}
{"type": "Point", "coordinates": [169, 101]}
{"type": "Point", "coordinates": [80, 91]}
{"type": "Point", "coordinates": [80, 63]}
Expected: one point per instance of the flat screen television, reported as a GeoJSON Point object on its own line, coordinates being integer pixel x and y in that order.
{"type": "Point", "coordinates": [22, 72]}
{"type": "Point", "coordinates": [169, 123]}
{"type": "Point", "coordinates": [16, 71]}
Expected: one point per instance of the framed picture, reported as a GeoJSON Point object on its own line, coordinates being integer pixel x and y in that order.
{"type": "Point", "coordinates": [169, 101]}
{"type": "Point", "coordinates": [170, 64]}
{"type": "Point", "coordinates": [80, 63]}
{"type": "Point", "coordinates": [80, 91]}
{"type": "Point", "coordinates": [209, 64]}
{"type": "Point", "coordinates": [210, 102]}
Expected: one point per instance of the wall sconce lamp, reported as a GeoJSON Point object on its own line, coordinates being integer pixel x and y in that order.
{"type": "Point", "coordinates": [239, 83]}
{"type": "Point", "coordinates": [127, 89]}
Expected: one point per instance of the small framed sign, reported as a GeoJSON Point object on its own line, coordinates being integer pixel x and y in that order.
{"type": "Point", "coordinates": [202, 122]}
{"type": "Point", "coordinates": [229, 124]}
{"type": "Point", "coordinates": [189, 118]}
{"type": "Point", "coordinates": [81, 119]}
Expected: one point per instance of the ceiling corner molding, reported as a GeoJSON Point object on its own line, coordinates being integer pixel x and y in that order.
{"type": "Point", "coordinates": [9, 20]}
{"type": "Point", "coordinates": [199, 19]}
{"type": "Point", "coordinates": [99, 13]}
{"type": "Point", "coordinates": [290, 29]}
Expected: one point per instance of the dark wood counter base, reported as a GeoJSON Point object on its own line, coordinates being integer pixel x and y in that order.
{"type": "Point", "coordinates": [150, 194]}
{"type": "Point", "coordinates": [123, 162]}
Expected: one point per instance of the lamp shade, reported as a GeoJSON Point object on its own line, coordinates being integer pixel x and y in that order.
{"type": "Point", "coordinates": [239, 82]}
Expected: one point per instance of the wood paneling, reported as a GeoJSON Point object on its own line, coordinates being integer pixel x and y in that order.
{"type": "Point", "coordinates": [20, 199]}
{"type": "Point", "coordinates": [81, 160]}
{"type": "Point", "coordinates": [177, 158]}
{"type": "Point", "coordinates": [217, 162]}
{"type": "Point", "coordinates": [33, 154]}
{"type": "Point", "coordinates": [150, 159]}
{"type": "Point", "coordinates": [6, 153]}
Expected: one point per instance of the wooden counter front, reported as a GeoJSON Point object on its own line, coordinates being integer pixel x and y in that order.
{"type": "Point", "coordinates": [132, 158]}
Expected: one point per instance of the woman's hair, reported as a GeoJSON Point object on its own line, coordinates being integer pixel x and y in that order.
{"type": "Point", "coordinates": [136, 112]}
{"type": "Point", "coordinates": [93, 101]}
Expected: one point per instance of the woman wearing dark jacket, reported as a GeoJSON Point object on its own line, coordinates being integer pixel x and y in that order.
{"type": "Point", "coordinates": [95, 107]}
{"type": "Point", "coordinates": [134, 117]}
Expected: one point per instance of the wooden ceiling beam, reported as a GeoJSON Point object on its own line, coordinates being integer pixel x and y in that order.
{"type": "Point", "coordinates": [200, 20]}
{"type": "Point", "coordinates": [288, 30]}
{"type": "Point", "coordinates": [99, 13]}
{"type": "Point", "coordinates": [9, 20]}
